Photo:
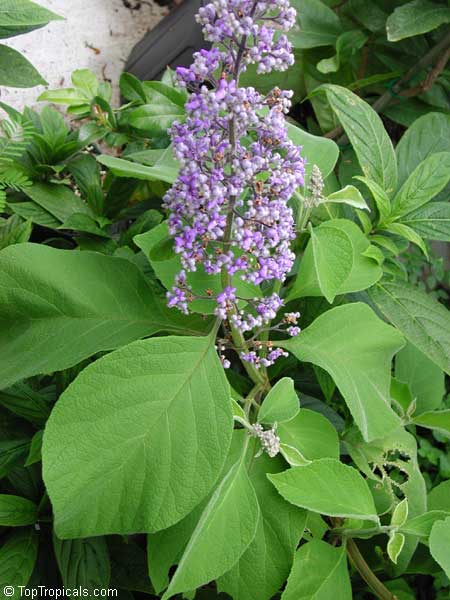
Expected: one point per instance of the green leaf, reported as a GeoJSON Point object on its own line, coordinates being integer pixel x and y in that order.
{"type": "Point", "coordinates": [132, 89]}
{"type": "Point", "coordinates": [17, 559]}
{"type": "Point", "coordinates": [379, 195]}
{"type": "Point", "coordinates": [16, 70]}
{"type": "Point", "coordinates": [367, 134]}
{"type": "Point", "coordinates": [281, 403]}
{"type": "Point", "coordinates": [427, 180]}
{"type": "Point", "coordinates": [293, 456]}
{"type": "Point", "coordinates": [431, 221]}
{"type": "Point", "coordinates": [348, 195]}
{"type": "Point", "coordinates": [440, 543]}
{"type": "Point", "coordinates": [347, 44]}
{"type": "Point", "coordinates": [86, 172]}
{"type": "Point", "coordinates": [238, 411]}
{"type": "Point", "coordinates": [26, 402]}
{"type": "Point", "coordinates": [439, 421]}
{"type": "Point", "coordinates": [355, 347]}
{"type": "Point", "coordinates": [427, 135]}
{"type": "Point", "coordinates": [21, 16]}
{"type": "Point", "coordinates": [424, 378]}
{"type": "Point", "coordinates": [165, 169]}
{"type": "Point", "coordinates": [422, 320]}
{"type": "Point", "coordinates": [34, 454]}
{"type": "Point", "coordinates": [334, 262]}
{"type": "Point", "coordinates": [16, 511]}
{"type": "Point", "coordinates": [414, 18]}
{"type": "Point", "coordinates": [399, 450]}
{"type": "Point", "coordinates": [224, 531]}
{"type": "Point", "coordinates": [82, 222]}
{"type": "Point", "coordinates": [421, 526]}
{"type": "Point", "coordinates": [319, 572]}
{"type": "Point", "coordinates": [68, 96]}
{"type": "Point", "coordinates": [156, 118]}
{"type": "Point", "coordinates": [400, 513]}
{"type": "Point", "coordinates": [439, 497]}
{"type": "Point", "coordinates": [395, 546]}
{"type": "Point", "coordinates": [58, 307]}
{"type": "Point", "coordinates": [86, 81]}
{"type": "Point", "coordinates": [58, 200]}
{"type": "Point", "coordinates": [83, 563]}
{"type": "Point", "coordinates": [311, 434]}
{"type": "Point", "coordinates": [162, 450]}
{"type": "Point", "coordinates": [408, 234]}
{"type": "Point", "coordinates": [266, 563]}
{"type": "Point", "coordinates": [328, 487]}
{"type": "Point", "coordinates": [317, 25]}
{"type": "Point", "coordinates": [320, 151]}
{"type": "Point", "coordinates": [331, 256]}
{"type": "Point", "coordinates": [12, 453]}
{"type": "Point", "coordinates": [159, 92]}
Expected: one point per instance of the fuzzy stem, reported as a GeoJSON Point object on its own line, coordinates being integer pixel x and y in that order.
{"type": "Point", "coordinates": [238, 338]}
{"type": "Point", "coordinates": [379, 589]}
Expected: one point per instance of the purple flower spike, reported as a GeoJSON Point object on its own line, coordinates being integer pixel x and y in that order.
{"type": "Point", "coordinates": [228, 209]}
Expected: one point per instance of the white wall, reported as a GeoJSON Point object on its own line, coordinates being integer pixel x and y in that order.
{"type": "Point", "coordinates": [63, 46]}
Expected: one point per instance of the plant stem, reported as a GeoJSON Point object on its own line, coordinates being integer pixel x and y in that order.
{"type": "Point", "coordinates": [343, 532]}
{"type": "Point", "coordinates": [379, 589]}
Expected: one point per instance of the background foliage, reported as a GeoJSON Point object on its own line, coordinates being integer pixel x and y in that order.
{"type": "Point", "coordinates": [91, 355]}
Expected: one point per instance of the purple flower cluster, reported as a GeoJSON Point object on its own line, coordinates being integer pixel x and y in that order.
{"type": "Point", "coordinates": [228, 208]}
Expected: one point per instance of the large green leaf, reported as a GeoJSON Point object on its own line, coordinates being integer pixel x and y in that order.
{"type": "Point", "coordinates": [427, 135]}
{"type": "Point", "coordinates": [440, 543]}
{"type": "Point", "coordinates": [427, 180]}
{"type": "Point", "coordinates": [317, 25]}
{"type": "Point", "coordinates": [414, 18]}
{"type": "Point", "coordinates": [16, 511]}
{"type": "Point", "coordinates": [319, 573]}
{"type": "Point", "coordinates": [431, 221]}
{"type": "Point", "coordinates": [424, 378]}
{"type": "Point", "coordinates": [367, 134]}
{"type": "Point", "coordinates": [329, 487]}
{"type": "Point", "coordinates": [334, 262]}
{"type": "Point", "coordinates": [224, 531]}
{"type": "Point", "coordinates": [17, 559]}
{"type": "Point", "coordinates": [16, 70]}
{"type": "Point", "coordinates": [20, 16]}
{"type": "Point", "coordinates": [356, 348]}
{"type": "Point", "coordinates": [58, 307]}
{"type": "Point", "coordinates": [149, 425]}
{"type": "Point", "coordinates": [422, 319]}
{"type": "Point", "coordinates": [320, 151]}
{"type": "Point", "coordinates": [83, 563]}
{"type": "Point", "coordinates": [265, 565]}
